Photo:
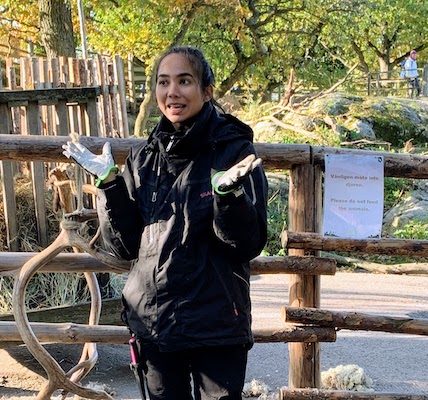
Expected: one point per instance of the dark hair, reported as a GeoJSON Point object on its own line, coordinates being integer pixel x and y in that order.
{"type": "Point", "coordinates": [205, 74]}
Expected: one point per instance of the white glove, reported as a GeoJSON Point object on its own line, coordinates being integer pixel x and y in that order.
{"type": "Point", "coordinates": [227, 181]}
{"type": "Point", "coordinates": [98, 165]}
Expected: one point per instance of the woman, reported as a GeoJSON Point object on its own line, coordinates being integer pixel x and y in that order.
{"type": "Point", "coordinates": [190, 209]}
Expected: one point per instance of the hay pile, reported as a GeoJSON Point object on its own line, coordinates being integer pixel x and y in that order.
{"type": "Point", "coordinates": [45, 289]}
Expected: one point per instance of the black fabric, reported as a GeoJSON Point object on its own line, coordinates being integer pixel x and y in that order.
{"type": "Point", "coordinates": [217, 373]}
{"type": "Point", "coordinates": [189, 284]}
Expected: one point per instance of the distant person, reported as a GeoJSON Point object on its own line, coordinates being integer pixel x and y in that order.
{"type": "Point", "coordinates": [412, 75]}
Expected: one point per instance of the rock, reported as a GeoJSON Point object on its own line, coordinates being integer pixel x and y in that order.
{"type": "Point", "coordinates": [264, 130]}
{"type": "Point", "coordinates": [362, 129]}
{"type": "Point", "coordinates": [412, 208]}
{"type": "Point", "coordinates": [230, 103]}
{"type": "Point", "coordinates": [334, 104]}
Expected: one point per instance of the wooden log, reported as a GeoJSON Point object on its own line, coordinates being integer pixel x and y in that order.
{"type": "Point", "coordinates": [319, 394]}
{"type": "Point", "coordinates": [68, 332]}
{"type": "Point", "coordinates": [396, 165]}
{"type": "Point", "coordinates": [304, 291]}
{"type": "Point", "coordinates": [46, 148]}
{"type": "Point", "coordinates": [414, 268]}
{"type": "Point", "coordinates": [10, 262]}
{"type": "Point", "coordinates": [293, 265]}
{"type": "Point", "coordinates": [274, 155]}
{"type": "Point", "coordinates": [388, 246]}
{"type": "Point", "coordinates": [292, 333]}
{"type": "Point", "coordinates": [355, 321]}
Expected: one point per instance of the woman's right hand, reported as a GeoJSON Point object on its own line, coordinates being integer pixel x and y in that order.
{"type": "Point", "coordinates": [101, 166]}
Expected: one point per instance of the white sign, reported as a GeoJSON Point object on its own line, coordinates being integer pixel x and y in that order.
{"type": "Point", "coordinates": [353, 196]}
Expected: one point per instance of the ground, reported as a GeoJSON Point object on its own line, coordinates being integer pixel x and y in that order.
{"type": "Point", "coordinates": [395, 363]}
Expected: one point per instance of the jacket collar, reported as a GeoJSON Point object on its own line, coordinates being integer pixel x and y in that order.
{"type": "Point", "coordinates": [185, 142]}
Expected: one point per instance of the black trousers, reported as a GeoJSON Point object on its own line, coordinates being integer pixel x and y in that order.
{"type": "Point", "coordinates": [214, 372]}
{"type": "Point", "coordinates": [414, 87]}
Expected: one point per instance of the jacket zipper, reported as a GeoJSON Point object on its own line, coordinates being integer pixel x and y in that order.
{"type": "Point", "coordinates": [154, 198]}
{"type": "Point", "coordinates": [171, 142]}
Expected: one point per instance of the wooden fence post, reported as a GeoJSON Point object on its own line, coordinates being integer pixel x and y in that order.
{"type": "Point", "coordinates": [305, 195]}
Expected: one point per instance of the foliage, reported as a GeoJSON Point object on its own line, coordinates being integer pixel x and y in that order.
{"type": "Point", "coordinates": [394, 190]}
{"type": "Point", "coordinates": [251, 44]}
{"type": "Point", "coordinates": [277, 212]}
{"type": "Point", "coordinates": [413, 230]}
{"type": "Point", "coordinates": [376, 33]}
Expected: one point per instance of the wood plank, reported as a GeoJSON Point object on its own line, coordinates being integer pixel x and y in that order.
{"type": "Point", "coordinates": [113, 100]}
{"type": "Point", "coordinates": [50, 96]}
{"type": "Point", "coordinates": [38, 177]}
{"type": "Point", "coordinates": [61, 113]}
{"type": "Point", "coordinates": [131, 85]}
{"type": "Point", "coordinates": [104, 103]}
{"type": "Point", "coordinates": [91, 106]}
{"type": "Point", "coordinates": [7, 184]}
{"type": "Point", "coordinates": [73, 107]}
{"type": "Point", "coordinates": [16, 112]}
{"type": "Point", "coordinates": [121, 87]}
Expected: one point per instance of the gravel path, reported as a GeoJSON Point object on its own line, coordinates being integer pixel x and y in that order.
{"type": "Point", "coordinates": [395, 363]}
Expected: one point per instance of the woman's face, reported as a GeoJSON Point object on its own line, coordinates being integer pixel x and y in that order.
{"type": "Point", "coordinates": [178, 91]}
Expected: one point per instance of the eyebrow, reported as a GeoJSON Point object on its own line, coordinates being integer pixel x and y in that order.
{"type": "Point", "coordinates": [183, 74]}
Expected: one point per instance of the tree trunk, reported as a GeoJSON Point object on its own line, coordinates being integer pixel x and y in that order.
{"type": "Point", "coordinates": [57, 28]}
{"type": "Point", "coordinates": [146, 106]}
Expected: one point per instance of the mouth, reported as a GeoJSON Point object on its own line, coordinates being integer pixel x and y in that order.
{"type": "Point", "coordinates": [175, 107]}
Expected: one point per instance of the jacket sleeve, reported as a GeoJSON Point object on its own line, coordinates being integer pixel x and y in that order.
{"type": "Point", "coordinates": [241, 222]}
{"type": "Point", "coordinates": [120, 221]}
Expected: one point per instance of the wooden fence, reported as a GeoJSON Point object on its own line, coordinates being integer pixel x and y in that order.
{"type": "Point", "coordinates": [377, 83]}
{"type": "Point", "coordinates": [305, 325]}
{"type": "Point", "coordinates": [55, 98]}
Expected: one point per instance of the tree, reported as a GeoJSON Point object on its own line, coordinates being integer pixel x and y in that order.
{"type": "Point", "coordinates": [57, 28]}
{"type": "Point", "coordinates": [379, 34]}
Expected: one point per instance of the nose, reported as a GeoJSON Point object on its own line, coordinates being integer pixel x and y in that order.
{"type": "Point", "coordinates": [173, 90]}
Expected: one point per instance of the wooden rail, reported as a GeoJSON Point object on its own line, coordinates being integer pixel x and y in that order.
{"type": "Point", "coordinates": [387, 246]}
{"type": "Point", "coordinates": [78, 333]}
{"type": "Point", "coordinates": [275, 156]}
{"type": "Point", "coordinates": [11, 262]}
{"type": "Point", "coordinates": [319, 394]}
{"type": "Point", "coordinates": [355, 321]}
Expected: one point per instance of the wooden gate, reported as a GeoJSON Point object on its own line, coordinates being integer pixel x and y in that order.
{"type": "Point", "coordinates": [55, 98]}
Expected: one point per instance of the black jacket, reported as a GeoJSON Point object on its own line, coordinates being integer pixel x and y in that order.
{"type": "Point", "coordinates": [189, 284]}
